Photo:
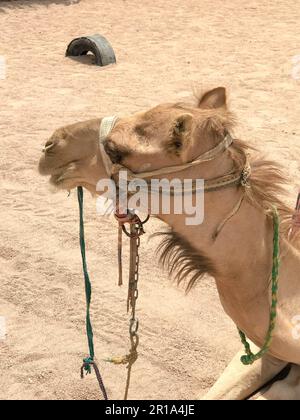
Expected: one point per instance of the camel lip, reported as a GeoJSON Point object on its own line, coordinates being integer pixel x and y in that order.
{"type": "Point", "coordinates": [46, 169]}
{"type": "Point", "coordinates": [55, 180]}
{"type": "Point", "coordinates": [42, 168]}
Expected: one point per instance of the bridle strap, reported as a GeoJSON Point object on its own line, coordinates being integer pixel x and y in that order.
{"type": "Point", "coordinates": [235, 178]}
{"type": "Point", "coordinates": [107, 124]}
{"type": "Point", "coordinates": [205, 157]}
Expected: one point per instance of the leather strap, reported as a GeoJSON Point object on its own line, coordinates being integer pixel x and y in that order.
{"type": "Point", "coordinates": [205, 157]}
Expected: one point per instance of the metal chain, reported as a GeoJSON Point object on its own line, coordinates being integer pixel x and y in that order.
{"type": "Point", "coordinates": [135, 232]}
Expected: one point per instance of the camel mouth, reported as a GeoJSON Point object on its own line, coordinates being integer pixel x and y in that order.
{"type": "Point", "coordinates": [47, 167]}
{"type": "Point", "coordinates": [62, 182]}
{"type": "Point", "coordinates": [62, 176]}
{"type": "Point", "coordinates": [57, 181]}
{"type": "Point", "coordinates": [44, 166]}
{"type": "Point", "coordinates": [55, 173]}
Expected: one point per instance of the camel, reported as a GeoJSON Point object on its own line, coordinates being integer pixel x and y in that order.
{"type": "Point", "coordinates": [240, 257]}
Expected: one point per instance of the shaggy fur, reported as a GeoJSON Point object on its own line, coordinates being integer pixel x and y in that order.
{"type": "Point", "coordinates": [182, 261]}
{"type": "Point", "coordinates": [268, 183]}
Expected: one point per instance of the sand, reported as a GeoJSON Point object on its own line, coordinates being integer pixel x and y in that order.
{"type": "Point", "coordinates": [165, 50]}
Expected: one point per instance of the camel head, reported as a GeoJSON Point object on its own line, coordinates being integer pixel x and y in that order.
{"type": "Point", "coordinates": [166, 135]}
{"type": "Point", "coordinates": [71, 156]}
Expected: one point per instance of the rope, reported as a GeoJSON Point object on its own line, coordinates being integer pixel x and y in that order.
{"type": "Point", "coordinates": [296, 219]}
{"type": "Point", "coordinates": [120, 264]}
{"type": "Point", "coordinates": [88, 362]}
{"type": "Point", "coordinates": [228, 217]}
{"type": "Point", "coordinates": [136, 230]}
{"type": "Point", "coordinates": [132, 358]}
{"type": "Point", "coordinates": [249, 357]}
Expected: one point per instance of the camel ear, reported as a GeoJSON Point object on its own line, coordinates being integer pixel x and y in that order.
{"type": "Point", "coordinates": [215, 98]}
{"type": "Point", "coordinates": [181, 132]}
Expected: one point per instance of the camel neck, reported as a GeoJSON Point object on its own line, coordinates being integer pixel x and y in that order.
{"type": "Point", "coordinates": [242, 253]}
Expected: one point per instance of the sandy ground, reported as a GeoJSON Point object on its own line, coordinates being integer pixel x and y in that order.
{"type": "Point", "coordinates": [165, 49]}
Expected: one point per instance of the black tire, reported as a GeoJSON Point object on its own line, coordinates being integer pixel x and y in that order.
{"type": "Point", "coordinates": [96, 44]}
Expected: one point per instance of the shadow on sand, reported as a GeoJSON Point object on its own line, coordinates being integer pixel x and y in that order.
{"type": "Point", "coordinates": [20, 4]}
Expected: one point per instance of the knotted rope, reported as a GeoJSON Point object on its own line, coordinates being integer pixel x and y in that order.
{"type": "Point", "coordinates": [88, 362]}
{"type": "Point", "coordinates": [250, 357]}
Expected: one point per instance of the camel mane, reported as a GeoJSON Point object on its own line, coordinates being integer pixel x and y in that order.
{"type": "Point", "coordinates": [268, 187]}
{"type": "Point", "coordinates": [268, 184]}
{"type": "Point", "coordinates": [184, 263]}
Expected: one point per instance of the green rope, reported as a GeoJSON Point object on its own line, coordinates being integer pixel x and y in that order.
{"type": "Point", "coordinates": [88, 286]}
{"type": "Point", "coordinates": [249, 357]}
{"type": "Point", "coordinates": [88, 362]}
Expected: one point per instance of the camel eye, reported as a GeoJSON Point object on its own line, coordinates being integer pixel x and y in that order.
{"type": "Point", "coordinates": [177, 144]}
{"type": "Point", "coordinates": [116, 153]}
{"type": "Point", "coordinates": [174, 146]}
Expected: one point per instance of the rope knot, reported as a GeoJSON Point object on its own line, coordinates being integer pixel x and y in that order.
{"type": "Point", "coordinates": [87, 363]}
{"type": "Point", "coordinates": [248, 359]}
{"type": "Point", "coordinates": [245, 175]}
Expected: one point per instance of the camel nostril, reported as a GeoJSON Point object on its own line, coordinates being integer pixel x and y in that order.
{"type": "Point", "coordinates": [48, 146]}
